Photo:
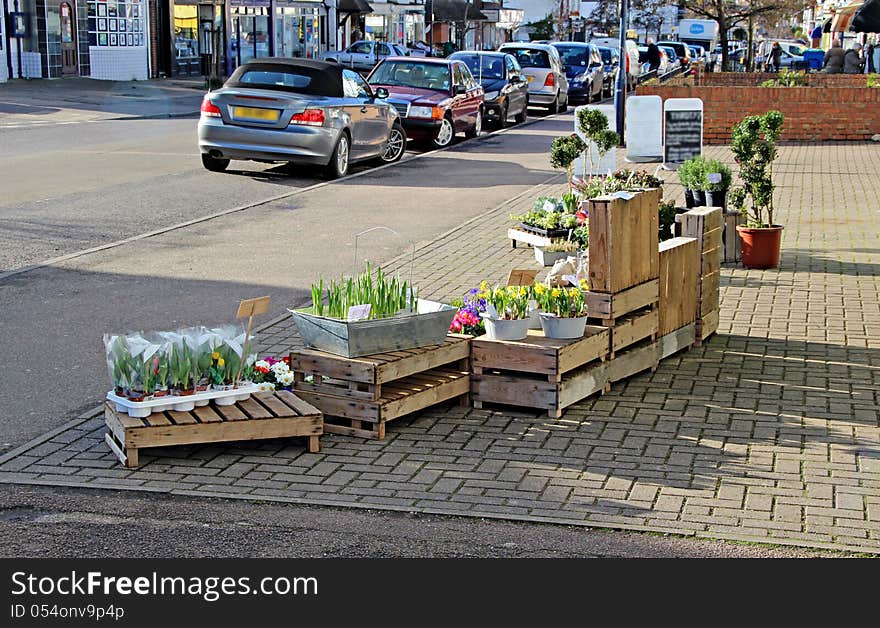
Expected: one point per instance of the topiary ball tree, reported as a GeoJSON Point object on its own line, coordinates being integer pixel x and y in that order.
{"type": "Point", "coordinates": [563, 153]}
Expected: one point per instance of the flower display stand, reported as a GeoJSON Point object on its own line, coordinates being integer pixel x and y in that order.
{"type": "Point", "coordinates": [275, 415]}
{"type": "Point", "coordinates": [539, 372]}
{"type": "Point", "coordinates": [359, 395]}
{"type": "Point", "coordinates": [705, 224]}
{"type": "Point", "coordinates": [679, 276]}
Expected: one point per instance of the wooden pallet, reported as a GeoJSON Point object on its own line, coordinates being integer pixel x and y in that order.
{"type": "Point", "coordinates": [367, 419]}
{"type": "Point", "coordinates": [359, 395]}
{"type": "Point", "coordinates": [679, 276]}
{"type": "Point", "coordinates": [640, 357]}
{"type": "Point", "coordinates": [705, 327]}
{"type": "Point", "coordinates": [605, 308]}
{"type": "Point", "coordinates": [274, 415]}
{"type": "Point", "coordinates": [539, 372]}
{"type": "Point", "coordinates": [633, 328]}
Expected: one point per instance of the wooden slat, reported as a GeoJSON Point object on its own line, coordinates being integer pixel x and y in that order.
{"type": "Point", "coordinates": [518, 235]}
{"type": "Point", "coordinates": [335, 428]}
{"type": "Point", "coordinates": [352, 369]}
{"type": "Point", "coordinates": [157, 419]}
{"type": "Point", "coordinates": [594, 345]}
{"type": "Point", "coordinates": [675, 341]}
{"type": "Point", "coordinates": [122, 418]}
{"type": "Point", "coordinates": [632, 361]}
{"type": "Point", "coordinates": [426, 398]}
{"type": "Point", "coordinates": [254, 410]}
{"type": "Point", "coordinates": [231, 413]}
{"type": "Point", "coordinates": [582, 383]}
{"type": "Point", "coordinates": [206, 414]}
{"type": "Point", "coordinates": [181, 418]}
{"type": "Point", "coordinates": [339, 406]}
{"type": "Point", "coordinates": [512, 390]}
{"type": "Point", "coordinates": [274, 405]}
{"type": "Point", "coordinates": [604, 305]}
{"type": "Point", "coordinates": [224, 431]}
{"type": "Point", "coordinates": [632, 328]}
{"type": "Point", "coordinates": [453, 349]}
{"type": "Point", "coordinates": [708, 325]}
{"type": "Point", "coordinates": [295, 403]}
{"type": "Point", "coordinates": [731, 239]}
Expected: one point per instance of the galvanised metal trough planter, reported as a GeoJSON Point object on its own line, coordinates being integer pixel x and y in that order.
{"type": "Point", "coordinates": [353, 339]}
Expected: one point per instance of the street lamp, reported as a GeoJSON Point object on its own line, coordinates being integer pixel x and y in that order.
{"type": "Point", "coordinates": [620, 88]}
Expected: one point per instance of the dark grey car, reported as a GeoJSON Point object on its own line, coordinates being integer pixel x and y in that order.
{"type": "Point", "coordinates": [298, 111]}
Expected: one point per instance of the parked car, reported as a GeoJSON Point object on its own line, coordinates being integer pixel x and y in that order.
{"type": "Point", "coordinates": [682, 52]}
{"type": "Point", "coordinates": [632, 67]}
{"type": "Point", "coordinates": [364, 54]}
{"type": "Point", "coordinates": [698, 53]}
{"type": "Point", "coordinates": [542, 67]}
{"type": "Point", "coordinates": [298, 111]}
{"type": "Point", "coordinates": [505, 90]}
{"type": "Point", "coordinates": [583, 69]}
{"type": "Point", "coordinates": [610, 68]}
{"type": "Point", "coordinates": [435, 98]}
{"type": "Point", "coordinates": [674, 62]}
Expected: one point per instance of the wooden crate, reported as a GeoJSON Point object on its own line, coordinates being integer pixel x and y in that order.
{"type": "Point", "coordinates": [359, 395]}
{"type": "Point", "coordinates": [706, 225]}
{"type": "Point", "coordinates": [730, 236]}
{"type": "Point", "coordinates": [640, 357]}
{"type": "Point", "coordinates": [679, 278]}
{"type": "Point", "coordinates": [634, 328]}
{"type": "Point", "coordinates": [274, 415]}
{"type": "Point", "coordinates": [607, 307]}
{"type": "Point", "coordinates": [539, 372]}
{"type": "Point", "coordinates": [623, 241]}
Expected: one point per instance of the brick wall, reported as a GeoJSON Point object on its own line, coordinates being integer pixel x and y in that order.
{"type": "Point", "coordinates": [826, 114]}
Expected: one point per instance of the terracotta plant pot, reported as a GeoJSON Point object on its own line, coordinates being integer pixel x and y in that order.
{"type": "Point", "coordinates": [760, 246]}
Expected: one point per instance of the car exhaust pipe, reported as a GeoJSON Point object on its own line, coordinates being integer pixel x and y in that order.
{"type": "Point", "coordinates": [216, 154]}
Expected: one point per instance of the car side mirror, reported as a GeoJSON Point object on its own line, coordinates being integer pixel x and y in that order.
{"type": "Point", "coordinates": [381, 92]}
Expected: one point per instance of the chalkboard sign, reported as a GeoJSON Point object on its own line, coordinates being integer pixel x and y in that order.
{"type": "Point", "coordinates": [683, 135]}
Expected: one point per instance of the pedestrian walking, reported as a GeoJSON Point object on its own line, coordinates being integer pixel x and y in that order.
{"type": "Point", "coordinates": [852, 60]}
{"type": "Point", "coordinates": [776, 56]}
{"type": "Point", "coordinates": [759, 57]}
{"type": "Point", "coordinates": [833, 62]}
{"type": "Point", "coordinates": [653, 56]}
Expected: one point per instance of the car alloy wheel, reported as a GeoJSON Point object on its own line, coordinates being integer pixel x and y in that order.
{"type": "Point", "coordinates": [338, 166]}
{"type": "Point", "coordinates": [445, 134]}
{"type": "Point", "coordinates": [478, 125]}
{"type": "Point", "coordinates": [395, 145]}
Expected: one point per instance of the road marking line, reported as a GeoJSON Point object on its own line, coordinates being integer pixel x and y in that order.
{"type": "Point", "coordinates": [149, 234]}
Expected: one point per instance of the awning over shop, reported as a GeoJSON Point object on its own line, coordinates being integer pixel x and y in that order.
{"type": "Point", "coordinates": [452, 11]}
{"type": "Point", "coordinates": [843, 16]}
{"type": "Point", "coordinates": [353, 6]}
{"type": "Point", "coordinates": [867, 18]}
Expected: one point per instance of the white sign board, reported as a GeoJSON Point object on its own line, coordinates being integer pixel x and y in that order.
{"type": "Point", "coordinates": [682, 130]}
{"type": "Point", "coordinates": [644, 128]}
{"type": "Point", "coordinates": [609, 161]}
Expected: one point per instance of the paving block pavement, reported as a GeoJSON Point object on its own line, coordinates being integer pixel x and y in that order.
{"type": "Point", "coordinates": [768, 432]}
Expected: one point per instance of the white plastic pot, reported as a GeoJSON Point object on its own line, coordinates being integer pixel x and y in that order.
{"type": "Point", "coordinates": [556, 327]}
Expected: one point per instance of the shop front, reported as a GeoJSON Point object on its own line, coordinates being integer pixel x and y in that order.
{"type": "Point", "coordinates": [193, 28]}
{"type": "Point", "coordinates": [401, 22]}
{"type": "Point", "coordinates": [297, 29]}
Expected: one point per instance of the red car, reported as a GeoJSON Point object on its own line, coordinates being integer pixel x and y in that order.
{"type": "Point", "coordinates": [435, 98]}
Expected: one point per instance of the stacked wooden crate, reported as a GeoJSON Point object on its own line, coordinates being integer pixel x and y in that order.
{"type": "Point", "coordinates": [730, 236]}
{"type": "Point", "coordinates": [539, 372]}
{"type": "Point", "coordinates": [679, 275]}
{"type": "Point", "coordinates": [705, 224]}
{"type": "Point", "coordinates": [623, 278]}
{"type": "Point", "coordinates": [359, 395]}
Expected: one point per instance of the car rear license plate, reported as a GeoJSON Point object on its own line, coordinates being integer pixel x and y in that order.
{"type": "Point", "coordinates": [254, 113]}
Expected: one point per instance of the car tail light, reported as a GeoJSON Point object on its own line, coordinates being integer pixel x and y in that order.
{"type": "Point", "coordinates": [309, 117]}
{"type": "Point", "coordinates": [550, 81]}
{"type": "Point", "coordinates": [209, 109]}
{"type": "Point", "coordinates": [627, 62]}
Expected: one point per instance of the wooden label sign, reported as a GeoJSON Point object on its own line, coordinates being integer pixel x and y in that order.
{"type": "Point", "coordinates": [521, 277]}
{"type": "Point", "coordinates": [682, 130]}
{"type": "Point", "coordinates": [644, 128]}
{"type": "Point", "coordinates": [252, 307]}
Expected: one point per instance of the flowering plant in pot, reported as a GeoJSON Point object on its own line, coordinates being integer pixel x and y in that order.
{"type": "Point", "coordinates": [563, 311]}
{"type": "Point", "coordinates": [753, 143]}
{"type": "Point", "coordinates": [271, 374]}
{"type": "Point", "coordinates": [467, 319]}
{"type": "Point", "coordinates": [507, 313]}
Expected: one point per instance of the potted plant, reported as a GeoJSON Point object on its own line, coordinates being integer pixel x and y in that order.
{"type": "Point", "coordinates": [507, 313]}
{"type": "Point", "coordinates": [718, 178]}
{"type": "Point", "coordinates": [563, 153]}
{"type": "Point", "coordinates": [563, 311]}
{"type": "Point", "coordinates": [692, 175]}
{"type": "Point", "coordinates": [753, 143]}
{"type": "Point", "coordinates": [558, 249]}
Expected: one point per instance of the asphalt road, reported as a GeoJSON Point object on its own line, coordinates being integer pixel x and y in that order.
{"type": "Point", "coordinates": [79, 186]}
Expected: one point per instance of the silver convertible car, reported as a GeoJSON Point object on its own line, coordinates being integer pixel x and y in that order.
{"type": "Point", "coordinates": [298, 111]}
